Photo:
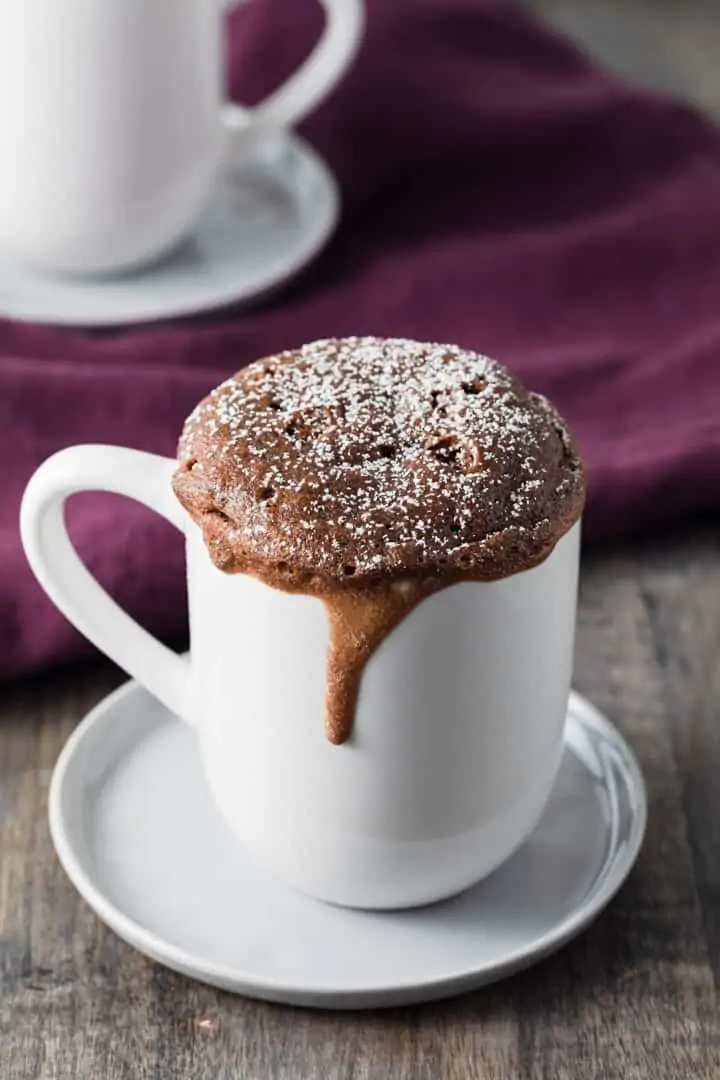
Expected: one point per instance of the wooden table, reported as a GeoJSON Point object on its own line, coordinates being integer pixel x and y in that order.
{"type": "Point", "coordinates": [634, 997]}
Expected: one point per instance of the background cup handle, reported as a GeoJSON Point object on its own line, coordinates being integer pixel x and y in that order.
{"type": "Point", "coordinates": [70, 585]}
{"type": "Point", "coordinates": [316, 77]}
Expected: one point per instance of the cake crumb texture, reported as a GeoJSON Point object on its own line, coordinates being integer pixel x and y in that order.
{"type": "Point", "coordinates": [362, 460]}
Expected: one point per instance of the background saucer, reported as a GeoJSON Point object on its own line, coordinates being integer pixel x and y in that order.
{"type": "Point", "coordinates": [270, 214]}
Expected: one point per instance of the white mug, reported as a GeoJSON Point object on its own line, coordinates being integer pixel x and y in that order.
{"type": "Point", "coordinates": [459, 725]}
{"type": "Point", "coordinates": [113, 127]}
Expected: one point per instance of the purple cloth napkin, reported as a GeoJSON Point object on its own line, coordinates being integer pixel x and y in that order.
{"type": "Point", "coordinates": [499, 193]}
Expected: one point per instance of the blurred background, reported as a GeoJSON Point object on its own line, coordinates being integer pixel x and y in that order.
{"type": "Point", "coordinates": [668, 45]}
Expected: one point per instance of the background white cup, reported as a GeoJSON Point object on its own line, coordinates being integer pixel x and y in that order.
{"type": "Point", "coordinates": [112, 124]}
{"type": "Point", "coordinates": [459, 726]}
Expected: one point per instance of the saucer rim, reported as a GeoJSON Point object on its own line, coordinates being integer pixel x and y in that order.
{"type": "Point", "coordinates": [185, 307]}
{"type": "Point", "coordinates": [338, 997]}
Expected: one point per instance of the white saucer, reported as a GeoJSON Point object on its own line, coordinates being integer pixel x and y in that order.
{"type": "Point", "coordinates": [269, 216]}
{"type": "Point", "coordinates": [135, 829]}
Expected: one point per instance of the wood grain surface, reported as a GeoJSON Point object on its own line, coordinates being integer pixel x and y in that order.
{"type": "Point", "coordinates": [634, 997]}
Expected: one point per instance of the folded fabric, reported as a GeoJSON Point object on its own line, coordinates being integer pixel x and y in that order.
{"type": "Point", "coordinates": [499, 193]}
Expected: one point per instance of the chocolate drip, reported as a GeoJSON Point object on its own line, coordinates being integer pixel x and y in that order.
{"type": "Point", "coordinates": [360, 620]}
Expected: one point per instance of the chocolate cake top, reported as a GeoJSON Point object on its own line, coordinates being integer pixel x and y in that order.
{"type": "Point", "coordinates": [362, 460]}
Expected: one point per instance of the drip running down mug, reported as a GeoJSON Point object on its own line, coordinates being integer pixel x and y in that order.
{"type": "Point", "coordinates": [112, 123]}
{"type": "Point", "coordinates": [459, 725]}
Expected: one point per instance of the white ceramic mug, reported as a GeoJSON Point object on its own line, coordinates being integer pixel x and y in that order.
{"type": "Point", "coordinates": [459, 725]}
{"type": "Point", "coordinates": [112, 124]}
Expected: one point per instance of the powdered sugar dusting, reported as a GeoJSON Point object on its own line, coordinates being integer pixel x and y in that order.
{"type": "Point", "coordinates": [363, 456]}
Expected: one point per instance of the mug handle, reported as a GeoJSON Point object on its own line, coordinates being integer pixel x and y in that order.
{"type": "Point", "coordinates": [316, 77]}
{"type": "Point", "coordinates": [70, 585]}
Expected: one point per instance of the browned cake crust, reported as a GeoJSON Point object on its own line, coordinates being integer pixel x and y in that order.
{"type": "Point", "coordinates": [361, 461]}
